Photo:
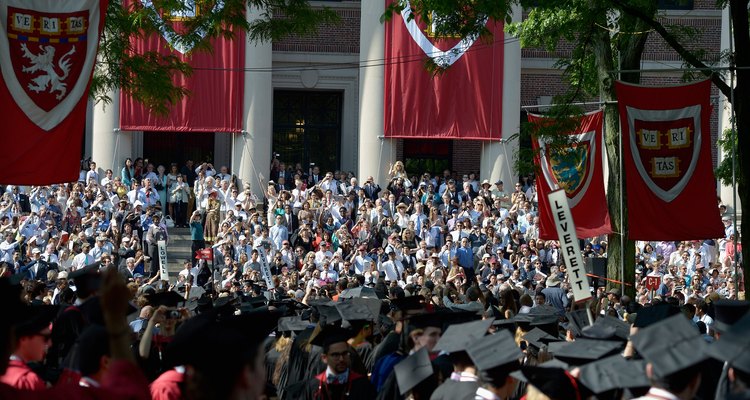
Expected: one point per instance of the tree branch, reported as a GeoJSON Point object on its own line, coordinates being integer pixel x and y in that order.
{"type": "Point", "coordinates": [689, 57]}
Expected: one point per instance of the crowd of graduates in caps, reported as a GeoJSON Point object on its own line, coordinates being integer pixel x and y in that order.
{"type": "Point", "coordinates": [428, 288]}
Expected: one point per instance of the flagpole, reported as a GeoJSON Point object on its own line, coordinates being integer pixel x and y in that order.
{"type": "Point", "coordinates": [622, 218]}
{"type": "Point", "coordinates": [734, 155]}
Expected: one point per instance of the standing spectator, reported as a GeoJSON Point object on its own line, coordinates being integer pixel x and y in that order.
{"type": "Point", "coordinates": [555, 295]}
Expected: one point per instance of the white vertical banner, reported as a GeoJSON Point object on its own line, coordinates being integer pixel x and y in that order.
{"type": "Point", "coordinates": [164, 274]}
{"type": "Point", "coordinates": [265, 270]}
{"type": "Point", "coordinates": [571, 252]}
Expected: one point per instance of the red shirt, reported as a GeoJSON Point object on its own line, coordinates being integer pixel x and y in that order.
{"type": "Point", "coordinates": [167, 386]}
{"type": "Point", "coordinates": [20, 376]}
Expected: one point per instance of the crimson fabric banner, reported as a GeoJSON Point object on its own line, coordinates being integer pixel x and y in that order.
{"type": "Point", "coordinates": [462, 102]}
{"type": "Point", "coordinates": [578, 170]}
{"type": "Point", "coordinates": [216, 85]}
{"type": "Point", "coordinates": [47, 55]}
{"type": "Point", "coordinates": [671, 189]}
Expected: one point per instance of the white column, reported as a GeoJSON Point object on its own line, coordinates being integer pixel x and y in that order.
{"type": "Point", "coordinates": [375, 152]}
{"type": "Point", "coordinates": [109, 145]}
{"type": "Point", "coordinates": [497, 161]}
{"type": "Point", "coordinates": [726, 193]}
{"type": "Point", "coordinates": [251, 158]}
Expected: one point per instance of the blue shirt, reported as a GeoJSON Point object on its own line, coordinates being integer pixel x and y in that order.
{"type": "Point", "coordinates": [196, 230]}
{"type": "Point", "coordinates": [465, 257]}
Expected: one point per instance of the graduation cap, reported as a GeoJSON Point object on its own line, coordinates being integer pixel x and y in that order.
{"type": "Point", "coordinates": [408, 303]}
{"type": "Point", "coordinates": [357, 312]}
{"type": "Point", "coordinates": [168, 299]}
{"type": "Point", "coordinates": [727, 312]}
{"type": "Point", "coordinates": [331, 334]}
{"type": "Point", "coordinates": [556, 383]}
{"type": "Point", "coordinates": [359, 291]}
{"type": "Point", "coordinates": [505, 324]}
{"type": "Point", "coordinates": [329, 314]}
{"type": "Point", "coordinates": [292, 324]}
{"type": "Point", "coordinates": [539, 338]}
{"type": "Point", "coordinates": [577, 320]}
{"type": "Point", "coordinates": [495, 356]}
{"type": "Point", "coordinates": [600, 332]}
{"type": "Point", "coordinates": [734, 344]}
{"type": "Point", "coordinates": [553, 363]}
{"type": "Point", "coordinates": [620, 327]}
{"type": "Point", "coordinates": [458, 337]}
{"type": "Point", "coordinates": [583, 351]}
{"type": "Point", "coordinates": [671, 345]}
{"type": "Point", "coordinates": [650, 315]}
{"type": "Point", "coordinates": [413, 370]}
{"type": "Point", "coordinates": [87, 279]}
{"type": "Point", "coordinates": [36, 319]}
{"type": "Point", "coordinates": [546, 322]}
{"type": "Point", "coordinates": [614, 372]}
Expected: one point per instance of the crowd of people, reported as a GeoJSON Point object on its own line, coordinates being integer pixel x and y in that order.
{"type": "Point", "coordinates": [328, 287]}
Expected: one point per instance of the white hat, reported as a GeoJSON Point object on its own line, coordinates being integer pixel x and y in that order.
{"type": "Point", "coordinates": [125, 239]}
{"type": "Point", "coordinates": [62, 275]}
{"type": "Point", "coordinates": [35, 251]}
{"type": "Point", "coordinates": [242, 237]}
{"type": "Point", "coordinates": [137, 203]}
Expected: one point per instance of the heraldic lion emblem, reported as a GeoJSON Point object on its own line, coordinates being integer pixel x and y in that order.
{"type": "Point", "coordinates": [45, 62]}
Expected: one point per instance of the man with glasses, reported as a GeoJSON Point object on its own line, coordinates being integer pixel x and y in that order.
{"type": "Point", "coordinates": [32, 339]}
{"type": "Point", "coordinates": [338, 381]}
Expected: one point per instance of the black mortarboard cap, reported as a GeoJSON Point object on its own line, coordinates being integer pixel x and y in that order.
{"type": "Point", "coordinates": [734, 345]}
{"type": "Point", "coordinates": [292, 324]}
{"type": "Point", "coordinates": [554, 347]}
{"type": "Point", "coordinates": [622, 328]}
{"type": "Point", "coordinates": [329, 314]}
{"type": "Point", "coordinates": [727, 312]}
{"type": "Point", "coordinates": [357, 310]}
{"type": "Point", "coordinates": [583, 351]}
{"type": "Point", "coordinates": [87, 279]}
{"type": "Point", "coordinates": [539, 338]}
{"type": "Point", "coordinates": [546, 322]}
{"type": "Point", "coordinates": [330, 334]}
{"type": "Point", "coordinates": [600, 332]}
{"type": "Point", "coordinates": [614, 372]}
{"type": "Point", "coordinates": [494, 351]}
{"type": "Point", "coordinates": [556, 383]}
{"type": "Point", "coordinates": [577, 320]}
{"type": "Point", "coordinates": [459, 336]}
{"type": "Point", "coordinates": [168, 299]}
{"type": "Point", "coordinates": [359, 291]}
{"type": "Point", "coordinates": [671, 345]}
{"type": "Point", "coordinates": [408, 303]}
{"type": "Point", "coordinates": [505, 324]}
{"type": "Point", "coordinates": [650, 315]}
{"type": "Point", "coordinates": [413, 370]}
{"type": "Point", "coordinates": [424, 320]}
{"type": "Point", "coordinates": [36, 318]}
{"type": "Point", "coordinates": [553, 363]}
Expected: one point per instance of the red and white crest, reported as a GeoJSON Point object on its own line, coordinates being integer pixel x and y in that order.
{"type": "Point", "coordinates": [666, 147]}
{"type": "Point", "coordinates": [443, 51]}
{"type": "Point", "coordinates": [47, 53]}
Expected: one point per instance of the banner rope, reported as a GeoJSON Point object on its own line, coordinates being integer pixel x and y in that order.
{"type": "Point", "coordinates": [609, 280]}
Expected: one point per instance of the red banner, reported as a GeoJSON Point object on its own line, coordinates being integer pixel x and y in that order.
{"type": "Point", "coordinates": [216, 86]}
{"type": "Point", "coordinates": [667, 158]}
{"type": "Point", "coordinates": [204, 254]}
{"type": "Point", "coordinates": [577, 170]}
{"type": "Point", "coordinates": [462, 102]}
{"type": "Point", "coordinates": [47, 54]}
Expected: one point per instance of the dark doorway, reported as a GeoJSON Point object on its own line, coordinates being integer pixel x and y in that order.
{"type": "Point", "coordinates": [307, 127]}
{"type": "Point", "coordinates": [168, 147]}
{"type": "Point", "coordinates": [432, 156]}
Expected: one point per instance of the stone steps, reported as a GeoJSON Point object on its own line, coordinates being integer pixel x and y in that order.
{"type": "Point", "coordinates": [178, 250]}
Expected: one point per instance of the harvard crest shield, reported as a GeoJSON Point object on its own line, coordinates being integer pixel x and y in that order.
{"type": "Point", "coordinates": [570, 168]}
{"type": "Point", "coordinates": [666, 147]}
{"type": "Point", "coordinates": [47, 53]}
